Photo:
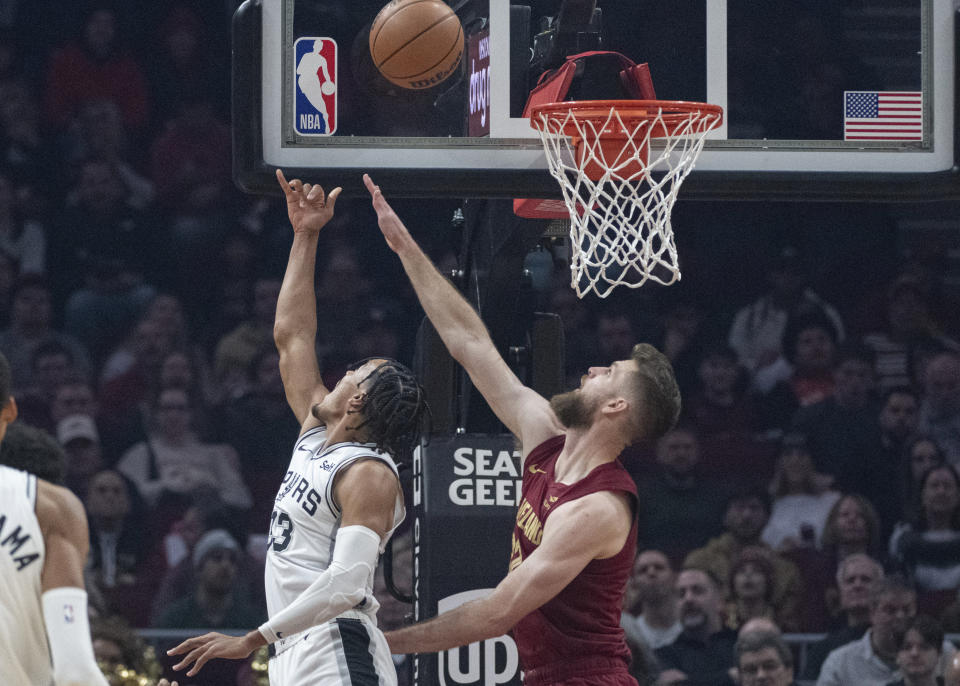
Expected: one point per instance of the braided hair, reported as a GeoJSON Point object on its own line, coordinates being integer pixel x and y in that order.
{"type": "Point", "coordinates": [395, 411]}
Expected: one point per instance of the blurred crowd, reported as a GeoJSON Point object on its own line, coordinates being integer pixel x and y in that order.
{"type": "Point", "coordinates": [811, 483]}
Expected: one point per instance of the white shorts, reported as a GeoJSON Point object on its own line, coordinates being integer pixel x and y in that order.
{"type": "Point", "coordinates": [343, 652]}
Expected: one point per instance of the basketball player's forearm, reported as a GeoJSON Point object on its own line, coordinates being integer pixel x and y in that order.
{"type": "Point", "coordinates": [464, 625]}
{"type": "Point", "coordinates": [453, 317]}
{"type": "Point", "coordinates": [297, 302]}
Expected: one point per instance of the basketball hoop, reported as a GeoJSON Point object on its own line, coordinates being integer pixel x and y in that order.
{"type": "Point", "coordinates": [618, 187]}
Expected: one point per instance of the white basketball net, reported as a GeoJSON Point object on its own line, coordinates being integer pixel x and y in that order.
{"type": "Point", "coordinates": [620, 229]}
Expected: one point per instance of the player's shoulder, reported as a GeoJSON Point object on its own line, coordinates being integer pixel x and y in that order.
{"type": "Point", "coordinates": [57, 507]}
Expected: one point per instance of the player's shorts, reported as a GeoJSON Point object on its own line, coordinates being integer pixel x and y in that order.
{"type": "Point", "coordinates": [590, 671]}
{"type": "Point", "coordinates": [343, 652]}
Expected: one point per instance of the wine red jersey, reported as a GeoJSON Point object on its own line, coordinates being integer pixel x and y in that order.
{"type": "Point", "coordinates": [575, 635]}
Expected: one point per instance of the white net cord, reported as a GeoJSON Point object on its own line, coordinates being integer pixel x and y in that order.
{"type": "Point", "coordinates": [620, 229]}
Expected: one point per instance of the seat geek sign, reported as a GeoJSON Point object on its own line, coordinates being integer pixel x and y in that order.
{"type": "Point", "coordinates": [465, 495]}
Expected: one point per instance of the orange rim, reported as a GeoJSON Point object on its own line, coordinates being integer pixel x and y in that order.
{"type": "Point", "coordinates": [670, 115]}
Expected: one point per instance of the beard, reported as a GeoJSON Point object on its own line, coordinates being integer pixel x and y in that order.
{"type": "Point", "coordinates": [573, 411]}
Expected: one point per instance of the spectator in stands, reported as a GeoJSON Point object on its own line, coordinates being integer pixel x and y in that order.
{"type": "Point", "coordinates": [616, 335]}
{"type": "Point", "coordinates": [184, 63]}
{"type": "Point", "coordinates": [96, 68]}
{"type": "Point", "coordinates": [703, 652]}
{"type": "Point", "coordinates": [940, 407]}
{"type": "Point", "coordinates": [125, 397]}
{"type": "Point", "coordinates": [236, 350]}
{"type": "Point", "coordinates": [930, 548]}
{"type": "Point", "coordinates": [651, 612]}
{"type": "Point", "coordinates": [261, 445]}
{"type": "Point", "coordinates": [681, 339]}
{"type": "Point", "coordinates": [52, 364]}
{"type": "Point", "coordinates": [801, 502]}
{"type": "Point", "coordinates": [106, 255]}
{"type": "Point", "coordinates": [99, 132]}
{"type": "Point", "coordinates": [910, 329]}
{"type": "Point", "coordinates": [920, 455]}
{"type": "Point", "coordinates": [757, 330]}
{"type": "Point", "coordinates": [21, 237]}
{"type": "Point", "coordinates": [852, 527]}
{"type": "Point", "coordinates": [190, 165]}
{"type": "Point", "coordinates": [172, 461]}
{"type": "Point", "coordinates": [118, 547]}
{"type": "Point", "coordinates": [842, 429]}
{"type": "Point", "coordinates": [31, 325]}
{"type": "Point", "coordinates": [751, 584]}
{"type": "Point", "coordinates": [804, 374]}
{"type": "Point", "coordinates": [719, 407]}
{"type": "Point", "coordinates": [747, 513]}
{"type": "Point", "coordinates": [24, 149]}
{"type": "Point", "coordinates": [857, 576]}
{"type": "Point", "coordinates": [919, 652]}
{"type": "Point", "coordinates": [871, 660]}
{"type": "Point", "coordinates": [214, 601]}
{"type": "Point", "coordinates": [116, 645]}
{"type": "Point", "coordinates": [80, 440]}
{"type": "Point", "coordinates": [897, 423]}
{"type": "Point", "coordinates": [679, 508]}
{"type": "Point", "coordinates": [763, 659]}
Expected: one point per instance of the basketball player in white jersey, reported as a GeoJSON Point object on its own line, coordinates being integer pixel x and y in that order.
{"type": "Point", "coordinates": [44, 631]}
{"type": "Point", "coordinates": [340, 500]}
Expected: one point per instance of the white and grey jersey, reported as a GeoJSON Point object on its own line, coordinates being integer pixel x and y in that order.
{"type": "Point", "coordinates": [305, 519]}
{"type": "Point", "coordinates": [24, 654]}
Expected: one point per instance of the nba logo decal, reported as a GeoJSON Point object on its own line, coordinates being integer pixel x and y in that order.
{"type": "Point", "coordinates": [315, 86]}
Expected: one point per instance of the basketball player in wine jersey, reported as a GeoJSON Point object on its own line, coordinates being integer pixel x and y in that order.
{"type": "Point", "coordinates": [576, 530]}
{"type": "Point", "coordinates": [44, 631]}
{"type": "Point", "coordinates": [340, 500]}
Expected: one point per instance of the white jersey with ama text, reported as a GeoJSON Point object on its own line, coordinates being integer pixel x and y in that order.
{"type": "Point", "coordinates": [305, 519]}
{"type": "Point", "coordinates": [24, 654]}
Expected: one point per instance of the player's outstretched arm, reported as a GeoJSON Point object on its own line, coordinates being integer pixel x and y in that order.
{"type": "Point", "coordinates": [295, 328]}
{"type": "Point", "coordinates": [366, 492]}
{"type": "Point", "coordinates": [526, 413]}
{"type": "Point", "coordinates": [64, 600]}
{"type": "Point", "coordinates": [592, 527]}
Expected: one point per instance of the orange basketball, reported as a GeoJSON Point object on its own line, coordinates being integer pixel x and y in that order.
{"type": "Point", "coordinates": [416, 44]}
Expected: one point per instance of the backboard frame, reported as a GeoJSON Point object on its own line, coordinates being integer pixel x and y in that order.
{"type": "Point", "coordinates": [509, 163]}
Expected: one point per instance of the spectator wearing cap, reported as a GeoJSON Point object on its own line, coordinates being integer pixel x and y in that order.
{"type": "Point", "coordinates": [747, 513]}
{"type": "Point", "coordinates": [757, 330]}
{"type": "Point", "coordinates": [216, 599]}
{"type": "Point", "coordinates": [910, 329]}
{"type": "Point", "coordinates": [78, 436]}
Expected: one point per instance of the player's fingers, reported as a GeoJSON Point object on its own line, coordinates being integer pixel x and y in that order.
{"type": "Point", "coordinates": [284, 184]}
{"type": "Point", "coordinates": [201, 661]}
{"type": "Point", "coordinates": [371, 186]}
{"type": "Point", "coordinates": [332, 198]}
{"type": "Point", "coordinates": [297, 186]}
{"type": "Point", "coordinates": [314, 194]}
{"type": "Point", "coordinates": [185, 646]}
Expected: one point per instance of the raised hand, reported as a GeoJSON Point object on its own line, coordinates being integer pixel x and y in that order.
{"type": "Point", "coordinates": [392, 228]}
{"type": "Point", "coordinates": [308, 207]}
{"type": "Point", "coordinates": [202, 649]}
{"type": "Point", "coordinates": [164, 682]}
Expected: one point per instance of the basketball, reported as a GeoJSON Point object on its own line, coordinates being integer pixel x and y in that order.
{"type": "Point", "coordinates": [416, 44]}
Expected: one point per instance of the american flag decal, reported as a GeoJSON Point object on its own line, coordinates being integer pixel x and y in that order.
{"type": "Point", "coordinates": [882, 116]}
